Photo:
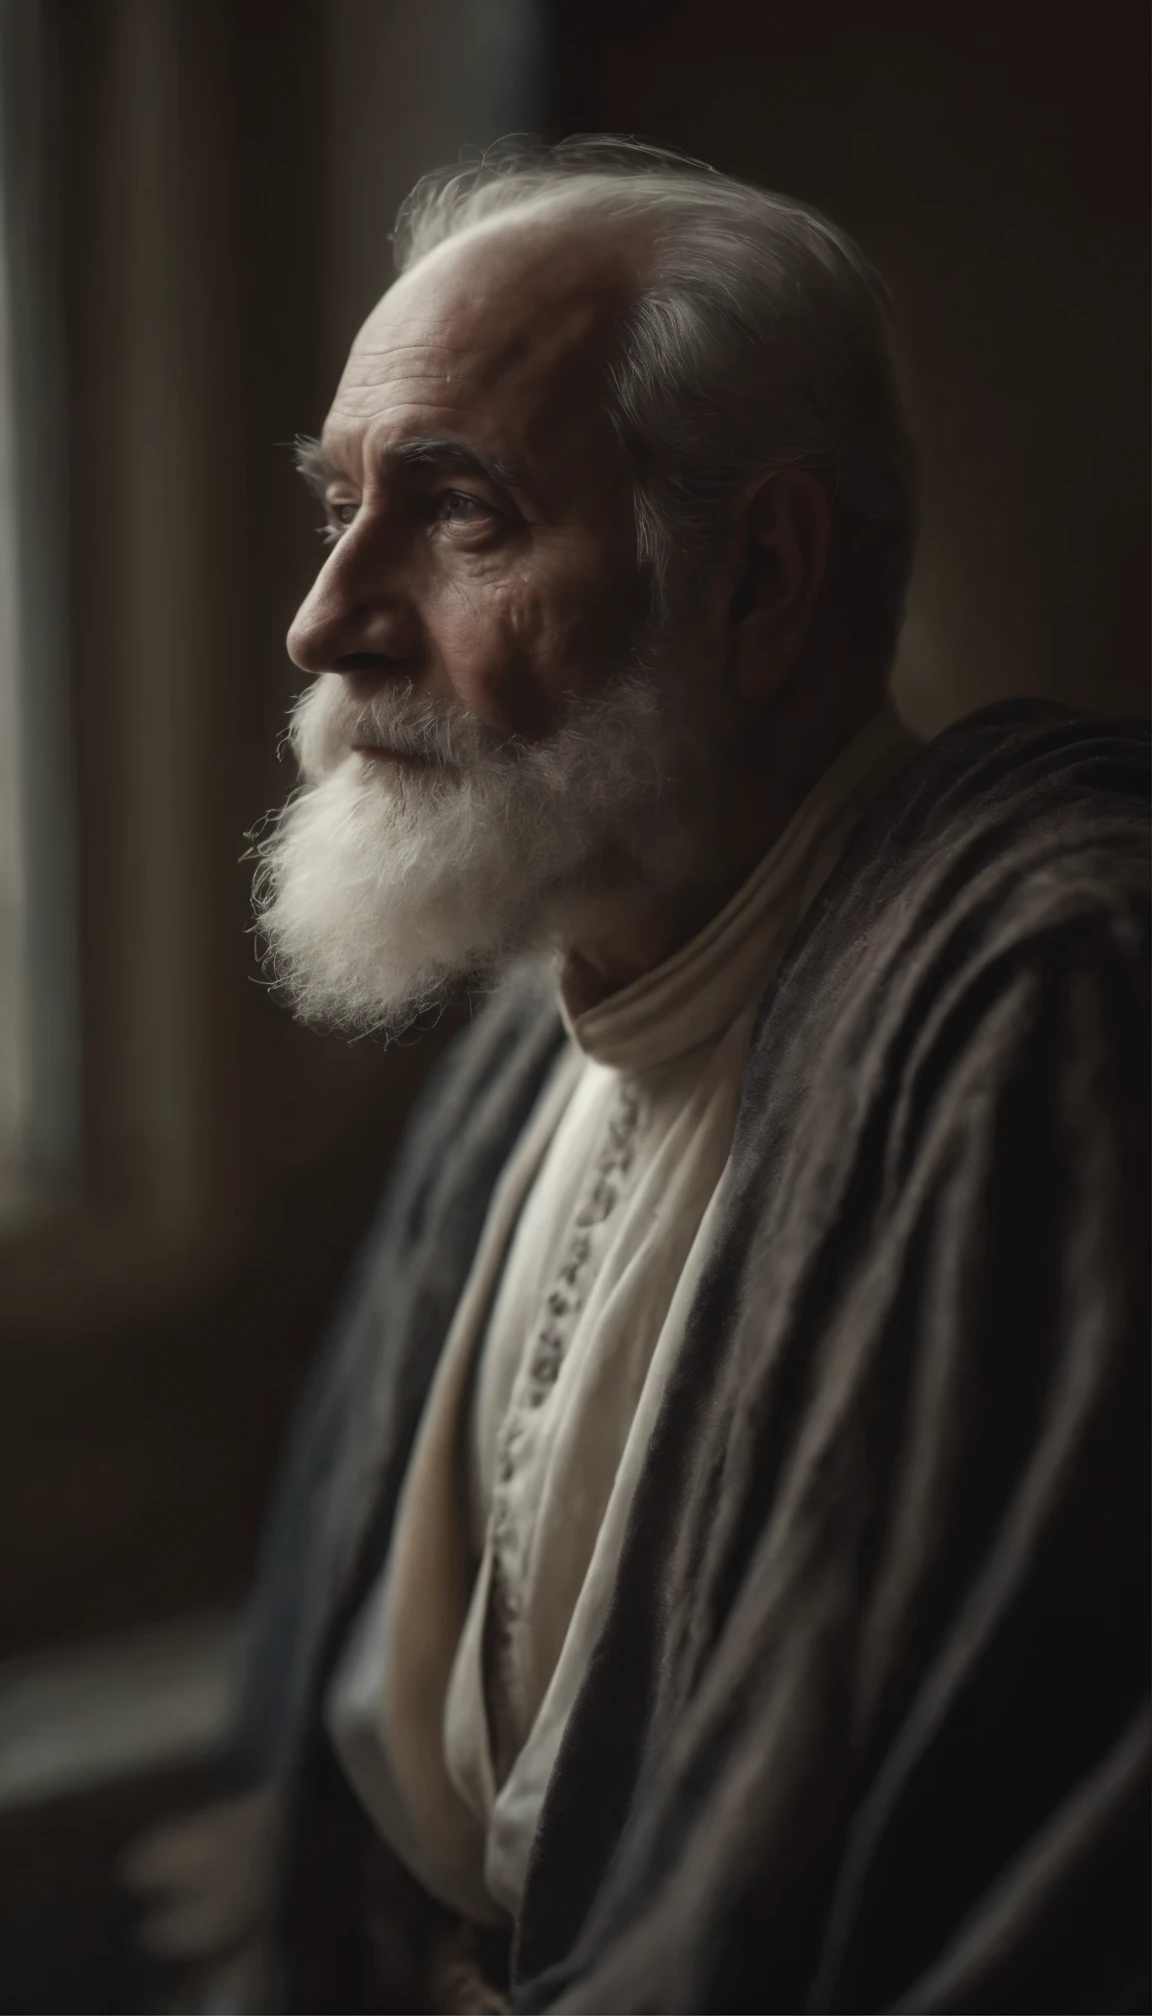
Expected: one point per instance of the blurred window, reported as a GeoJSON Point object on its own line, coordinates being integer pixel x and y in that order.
{"type": "Point", "coordinates": [12, 898]}
{"type": "Point", "coordinates": [38, 1103]}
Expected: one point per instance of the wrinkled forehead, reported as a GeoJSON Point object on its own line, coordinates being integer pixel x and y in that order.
{"type": "Point", "coordinates": [508, 328]}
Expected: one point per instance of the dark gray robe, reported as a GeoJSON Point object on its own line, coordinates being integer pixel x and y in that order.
{"type": "Point", "coordinates": [867, 1725]}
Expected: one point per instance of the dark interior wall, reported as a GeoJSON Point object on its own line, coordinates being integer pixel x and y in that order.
{"type": "Point", "coordinates": [992, 160]}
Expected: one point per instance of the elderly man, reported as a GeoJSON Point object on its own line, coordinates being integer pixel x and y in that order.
{"type": "Point", "coordinates": [708, 1575]}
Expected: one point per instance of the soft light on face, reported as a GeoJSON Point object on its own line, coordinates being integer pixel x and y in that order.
{"type": "Point", "coordinates": [498, 736]}
{"type": "Point", "coordinates": [478, 503]}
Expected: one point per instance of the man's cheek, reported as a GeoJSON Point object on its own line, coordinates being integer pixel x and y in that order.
{"type": "Point", "coordinates": [522, 665]}
{"type": "Point", "coordinates": [492, 675]}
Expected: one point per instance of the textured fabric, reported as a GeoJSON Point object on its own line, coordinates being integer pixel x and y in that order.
{"type": "Point", "coordinates": [866, 1725]}
{"type": "Point", "coordinates": [606, 1194]}
{"type": "Point", "coordinates": [385, 1709]}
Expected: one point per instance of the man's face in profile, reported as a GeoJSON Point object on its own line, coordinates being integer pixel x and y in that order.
{"type": "Point", "coordinates": [479, 503]}
{"type": "Point", "coordinates": [496, 719]}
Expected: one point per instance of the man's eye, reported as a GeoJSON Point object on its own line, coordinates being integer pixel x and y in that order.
{"type": "Point", "coordinates": [338, 517]}
{"type": "Point", "coordinates": [455, 507]}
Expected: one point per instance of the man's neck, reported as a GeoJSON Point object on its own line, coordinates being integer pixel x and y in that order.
{"type": "Point", "coordinates": [643, 926]}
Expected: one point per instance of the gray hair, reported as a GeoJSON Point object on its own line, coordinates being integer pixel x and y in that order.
{"type": "Point", "coordinates": [759, 340]}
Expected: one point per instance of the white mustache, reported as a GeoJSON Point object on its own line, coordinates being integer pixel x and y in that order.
{"type": "Point", "coordinates": [327, 723]}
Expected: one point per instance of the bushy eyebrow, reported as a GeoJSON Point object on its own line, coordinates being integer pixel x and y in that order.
{"type": "Point", "coordinates": [313, 463]}
{"type": "Point", "coordinates": [420, 451]}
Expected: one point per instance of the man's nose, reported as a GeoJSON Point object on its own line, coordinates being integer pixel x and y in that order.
{"type": "Point", "coordinates": [359, 616]}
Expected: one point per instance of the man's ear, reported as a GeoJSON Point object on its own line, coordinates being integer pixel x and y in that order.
{"type": "Point", "coordinates": [781, 540]}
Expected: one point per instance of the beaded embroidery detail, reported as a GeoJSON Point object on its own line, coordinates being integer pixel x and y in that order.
{"type": "Point", "coordinates": [536, 1380]}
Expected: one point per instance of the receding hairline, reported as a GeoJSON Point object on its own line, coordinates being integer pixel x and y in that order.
{"type": "Point", "coordinates": [645, 200]}
{"type": "Point", "coordinates": [624, 253]}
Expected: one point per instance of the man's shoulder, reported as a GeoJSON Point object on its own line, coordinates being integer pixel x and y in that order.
{"type": "Point", "coordinates": [1011, 851]}
{"type": "Point", "coordinates": [1007, 811]}
{"type": "Point", "coordinates": [1026, 719]}
{"type": "Point", "coordinates": [1027, 764]}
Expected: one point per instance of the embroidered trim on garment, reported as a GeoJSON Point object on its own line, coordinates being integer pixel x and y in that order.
{"type": "Point", "coordinates": [563, 1306]}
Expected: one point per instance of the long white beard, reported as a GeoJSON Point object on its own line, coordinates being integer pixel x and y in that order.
{"type": "Point", "coordinates": [379, 885]}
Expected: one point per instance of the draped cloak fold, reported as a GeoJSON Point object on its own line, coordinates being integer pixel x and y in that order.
{"type": "Point", "coordinates": [866, 1727]}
